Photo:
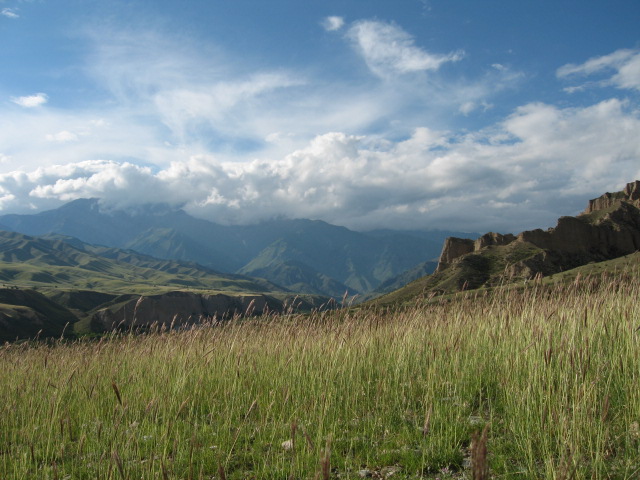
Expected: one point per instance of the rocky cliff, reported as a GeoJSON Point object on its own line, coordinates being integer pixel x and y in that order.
{"type": "Point", "coordinates": [630, 194]}
{"type": "Point", "coordinates": [607, 229]}
{"type": "Point", "coordinates": [179, 308]}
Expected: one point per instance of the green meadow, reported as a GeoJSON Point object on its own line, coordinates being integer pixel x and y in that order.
{"type": "Point", "coordinates": [545, 378]}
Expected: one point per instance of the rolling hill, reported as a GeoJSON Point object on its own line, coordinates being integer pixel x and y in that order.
{"type": "Point", "coordinates": [51, 283]}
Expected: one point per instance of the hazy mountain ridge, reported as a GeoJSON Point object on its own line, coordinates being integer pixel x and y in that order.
{"type": "Point", "coordinates": [90, 266]}
{"type": "Point", "coordinates": [308, 256]}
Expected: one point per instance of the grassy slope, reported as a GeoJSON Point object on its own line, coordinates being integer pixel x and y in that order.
{"type": "Point", "coordinates": [486, 267]}
{"type": "Point", "coordinates": [552, 369]}
{"type": "Point", "coordinates": [27, 313]}
{"type": "Point", "coordinates": [40, 262]}
{"type": "Point", "coordinates": [448, 280]}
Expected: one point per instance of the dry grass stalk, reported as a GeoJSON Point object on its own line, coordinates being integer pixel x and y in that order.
{"type": "Point", "coordinates": [118, 462]}
{"type": "Point", "coordinates": [117, 392]}
{"type": "Point", "coordinates": [221, 473]}
{"type": "Point", "coordinates": [605, 409]}
{"type": "Point", "coordinates": [427, 421]}
{"type": "Point", "coordinates": [165, 475]}
{"type": "Point", "coordinates": [326, 467]}
{"type": "Point", "coordinates": [294, 429]}
{"type": "Point", "coordinates": [479, 464]}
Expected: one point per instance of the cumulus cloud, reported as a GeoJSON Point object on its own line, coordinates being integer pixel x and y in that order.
{"type": "Point", "coordinates": [9, 13]}
{"type": "Point", "coordinates": [511, 176]}
{"type": "Point", "coordinates": [333, 23]}
{"type": "Point", "coordinates": [625, 65]}
{"type": "Point", "coordinates": [236, 145]}
{"type": "Point", "coordinates": [389, 50]}
{"type": "Point", "coordinates": [31, 101]}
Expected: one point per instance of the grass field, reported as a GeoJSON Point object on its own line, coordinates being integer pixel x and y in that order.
{"type": "Point", "coordinates": [550, 373]}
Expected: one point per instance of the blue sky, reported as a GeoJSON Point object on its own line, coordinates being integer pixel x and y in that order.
{"type": "Point", "coordinates": [469, 115]}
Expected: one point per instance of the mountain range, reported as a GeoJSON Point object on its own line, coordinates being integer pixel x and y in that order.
{"type": "Point", "coordinates": [302, 256]}
{"type": "Point", "coordinates": [55, 283]}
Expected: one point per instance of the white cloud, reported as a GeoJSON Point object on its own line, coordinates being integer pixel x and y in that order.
{"type": "Point", "coordinates": [215, 103]}
{"type": "Point", "coordinates": [63, 136]}
{"type": "Point", "coordinates": [468, 107]}
{"type": "Point", "coordinates": [212, 103]}
{"type": "Point", "coordinates": [333, 23]}
{"type": "Point", "coordinates": [31, 101]}
{"type": "Point", "coordinates": [35, 137]}
{"type": "Point", "coordinates": [389, 50]}
{"type": "Point", "coordinates": [9, 13]}
{"type": "Point", "coordinates": [177, 122]}
{"type": "Point", "coordinates": [539, 163]}
{"type": "Point", "coordinates": [625, 63]}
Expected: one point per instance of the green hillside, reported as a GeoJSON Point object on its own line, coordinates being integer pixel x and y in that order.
{"type": "Point", "coordinates": [27, 314]}
{"type": "Point", "coordinates": [429, 286]}
{"type": "Point", "coordinates": [52, 263]}
{"type": "Point", "coordinates": [51, 282]}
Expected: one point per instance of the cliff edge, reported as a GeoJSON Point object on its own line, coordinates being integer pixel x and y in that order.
{"type": "Point", "coordinates": [179, 308]}
{"type": "Point", "coordinates": [608, 228]}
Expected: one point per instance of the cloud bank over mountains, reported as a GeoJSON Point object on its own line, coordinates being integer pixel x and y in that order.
{"type": "Point", "coordinates": [511, 174]}
{"type": "Point", "coordinates": [196, 127]}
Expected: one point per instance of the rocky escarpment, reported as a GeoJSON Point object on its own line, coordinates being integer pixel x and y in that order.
{"type": "Point", "coordinates": [456, 247]}
{"type": "Point", "coordinates": [630, 194]}
{"type": "Point", "coordinates": [179, 308]}
{"type": "Point", "coordinates": [452, 249]}
{"type": "Point", "coordinates": [607, 229]}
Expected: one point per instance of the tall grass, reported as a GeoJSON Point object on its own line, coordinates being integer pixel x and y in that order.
{"type": "Point", "coordinates": [546, 379]}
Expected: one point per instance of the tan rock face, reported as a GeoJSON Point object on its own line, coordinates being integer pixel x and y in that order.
{"type": "Point", "coordinates": [613, 231]}
{"type": "Point", "coordinates": [178, 308]}
{"type": "Point", "coordinates": [632, 190]}
{"type": "Point", "coordinates": [453, 248]}
{"type": "Point", "coordinates": [630, 194]}
{"type": "Point", "coordinates": [492, 238]}
{"type": "Point", "coordinates": [615, 234]}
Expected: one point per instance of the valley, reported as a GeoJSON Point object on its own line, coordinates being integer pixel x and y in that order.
{"type": "Point", "coordinates": [54, 283]}
{"type": "Point", "coordinates": [518, 354]}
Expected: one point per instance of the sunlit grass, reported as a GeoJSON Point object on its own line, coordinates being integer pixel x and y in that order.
{"type": "Point", "coordinates": [553, 370]}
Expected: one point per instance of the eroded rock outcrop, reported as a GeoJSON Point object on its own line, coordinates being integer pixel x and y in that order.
{"type": "Point", "coordinates": [178, 308]}
{"type": "Point", "coordinates": [457, 247]}
{"type": "Point", "coordinates": [630, 194]}
{"type": "Point", "coordinates": [608, 228]}
{"type": "Point", "coordinates": [453, 248]}
{"type": "Point", "coordinates": [492, 238]}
